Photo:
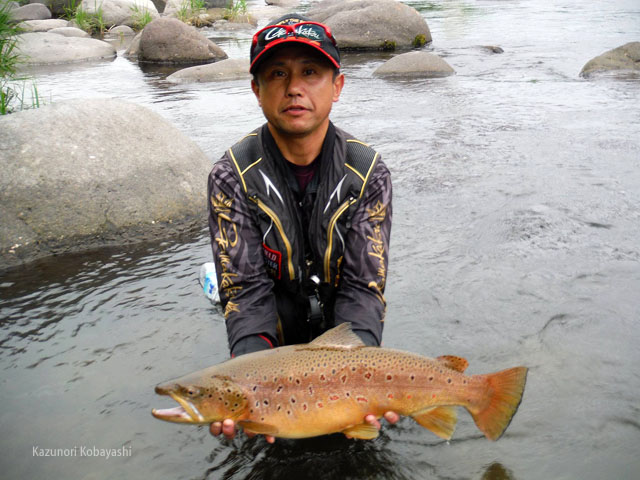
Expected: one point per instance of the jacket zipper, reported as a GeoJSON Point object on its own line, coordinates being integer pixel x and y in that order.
{"type": "Point", "coordinates": [276, 221]}
{"type": "Point", "coordinates": [332, 224]}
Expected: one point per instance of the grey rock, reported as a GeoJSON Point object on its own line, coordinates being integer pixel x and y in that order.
{"type": "Point", "coordinates": [121, 30]}
{"type": "Point", "coordinates": [217, 3]}
{"type": "Point", "coordinates": [70, 32]}
{"type": "Point", "coordinates": [43, 48]}
{"type": "Point", "coordinates": [283, 3]}
{"type": "Point", "coordinates": [168, 40]}
{"type": "Point", "coordinates": [34, 11]}
{"type": "Point", "coordinates": [133, 49]}
{"type": "Point", "coordinates": [42, 25]}
{"type": "Point", "coordinates": [624, 58]}
{"type": "Point", "coordinates": [230, 69]}
{"type": "Point", "coordinates": [415, 64]}
{"type": "Point", "coordinates": [57, 7]}
{"type": "Point", "coordinates": [372, 24]}
{"type": "Point", "coordinates": [120, 12]}
{"type": "Point", "coordinates": [87, 173]}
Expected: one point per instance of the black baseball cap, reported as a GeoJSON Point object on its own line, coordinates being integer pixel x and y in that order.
{"type": "Point", "coordinates": [293, 28]}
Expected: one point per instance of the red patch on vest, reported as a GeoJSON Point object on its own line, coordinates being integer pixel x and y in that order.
{"type": "Point", "coordinates": [273, 261]}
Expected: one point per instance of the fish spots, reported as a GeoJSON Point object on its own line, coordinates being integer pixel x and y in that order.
{"type": "Point", "coordinates": [389, 377]}
{"type": "Point", "coordinates": [433, 396]}
{"type": "Point", "coordinates": [257, 403]}
{"type": "Point", "coordinates": [311, 390]}
{"type": "Point", "coordinates": [368, 375]}
{"type": "Point", "coordinates": [448, 380]}
{"type": "Point", "coordinates": [280, 388]}
{"type": "Point", "coordinates": [412, 377]}
{"type": "Point", "coordinates": [334, 397]}
{"type": "Point", "coordinates": [297, 381]}
{"type": "Point", "coordinates": [265, 402]}
{"type": "Point", "coordinates": [319, 405]}
{"type": "Point", "coordinates": [464, 382]}
{"type": "Point", "coordinates": [390, 396]}
{"type": "Point", "coordinates": [292, 399]}
{"type": "Point", "coordinates": [409, 396]}
{"type": "Point", "coordinates": [362, 399]}
{"type": "Point", "coordinates": [304, 407]}
{"type": "Point", "coordinates": [431, 378]}
{"type": "Point", "coordinates": [255, 387]}
{"type": "Point", "coordinates": [343, 379]}
{"type": "Point", "coordinates": [323, 378]}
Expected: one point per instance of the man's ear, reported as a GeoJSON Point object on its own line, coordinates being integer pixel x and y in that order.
{"type": "Point", "coordinates": [255, 86]}
{"type": "Point", "coordinates": [338, 84]}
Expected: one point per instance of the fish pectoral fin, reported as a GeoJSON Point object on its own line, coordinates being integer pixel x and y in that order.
{"type": "Point", "coordinates": [257, 427]}
{"type": "Point", "coordinates": [440, 420]}
{"type": "Point", "coordinates": [363, 431]}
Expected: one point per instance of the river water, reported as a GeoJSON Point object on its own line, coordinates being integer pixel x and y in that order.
{"type": "Point", "coordinates": [515, 241]}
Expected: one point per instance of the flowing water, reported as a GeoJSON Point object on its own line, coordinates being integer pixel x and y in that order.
{"type": "Point", "coordinates": [515, 241]}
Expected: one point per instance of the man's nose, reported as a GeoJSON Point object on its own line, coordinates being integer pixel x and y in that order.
{"type": "Point", "coordinates": [294, 87]}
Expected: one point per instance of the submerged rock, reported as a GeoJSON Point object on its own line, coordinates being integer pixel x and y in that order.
{"type": "Point", "coordinates": [372, 24]}
{"type": "Point", "coordinates": [87, 173]}
{"type": "Point", "coordinates": [230, 69]}
{"type": "Point", "coordinates": [168, 40]}
{"type": "Point", "coordinates": [415, 64]}
{"type": "Point", "coordinates": [624, 58]}
{"type": "Point", "coordinates": [42, 48]}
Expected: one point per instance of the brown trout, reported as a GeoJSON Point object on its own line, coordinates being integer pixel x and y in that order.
{"type": "Point", "coordinates": [332, 383]}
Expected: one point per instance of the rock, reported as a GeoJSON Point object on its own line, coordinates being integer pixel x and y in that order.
{"type": "Point", "coordinates": [34, 11]}
{"type": "Point", "coordinates": [43, 48]}
{"type": "Point", "coordinates": [283, 3]}
{"type": "Point", "coordinates": [168, 40]}
{"type": "Point", "coordinates": [57, 7]}
{"type": "Point", "coordinates": [87, 173]}
{"type": "Point", "coordinates": [624, 58]}
{"type": "Point", "coordinates": [70, 32]}
{"type": "Point", "coordinates": [42, 25]}
{"type": "Point", "coordinates": [121, 30]}
{"type": "Point", "coordinates": [415, 64]}
{"type": "Point", "coordinates": [134, 47]}
{"type": "Point", "coordinates": [120, 12]}
{"type": "Point", "coordinates": [230, 69]}
{"type": "Point", "coordinates": [372, 24]}
{"type": "Point", "coordinates": [217, 3]}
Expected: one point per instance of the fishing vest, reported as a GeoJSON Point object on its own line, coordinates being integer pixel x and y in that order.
{"type": "Point", "coordinates": [275, 210]}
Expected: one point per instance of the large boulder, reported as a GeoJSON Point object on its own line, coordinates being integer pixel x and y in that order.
{"type": "Point", "coordinates": [168, 40]}
{"type": "Point", "coordinates": [87, 173]}
{"type": "Point", "coordinates": [43, 48]}
{"type": "Point", "coordinates": [415, 64]}
{"type": "Point", "coordinates": [229, 69]}
{"type": "Point", "coordinates": [624, 58]}
{"type": "Point", "coordinates": [372, 24]}
{"type": "Point", "coordinates": [120, 12]}
{"type": "Point", "coordinates": [42, 25]}
{"type": "Point", "coordinates": [35, 11]}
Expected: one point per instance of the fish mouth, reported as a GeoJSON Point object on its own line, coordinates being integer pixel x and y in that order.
{"type": "Point", "coordinates": [187, 412]}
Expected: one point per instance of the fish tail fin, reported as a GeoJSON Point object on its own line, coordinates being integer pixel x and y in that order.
{"type": "Point", "coordinates": [505, 393]}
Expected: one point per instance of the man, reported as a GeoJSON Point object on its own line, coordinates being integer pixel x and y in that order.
{"type": "Point", "coordinates": [300, 212]}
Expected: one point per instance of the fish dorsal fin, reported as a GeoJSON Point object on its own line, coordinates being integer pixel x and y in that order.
{"type": "Point", "coordinates": [338, 337]}
{"type": "Point", "coordinates": [458, 364]}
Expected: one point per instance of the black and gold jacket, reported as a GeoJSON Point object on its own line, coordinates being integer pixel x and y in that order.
{"type": "Point", "coordinates": [267, 240]}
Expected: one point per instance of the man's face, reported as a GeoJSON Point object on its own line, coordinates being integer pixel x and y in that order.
{"type": "Point", "coordinates": [296, 89]}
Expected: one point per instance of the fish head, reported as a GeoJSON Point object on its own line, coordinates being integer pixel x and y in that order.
{"type": "Point", "coordinates": [202, 399]}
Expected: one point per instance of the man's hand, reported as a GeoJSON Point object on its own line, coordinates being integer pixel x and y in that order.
{"type": "Point", "coordinates": [391, 417]}
{"type": "Point", "coordinates": [228, 429]}
{"type": "Point", "coordinates": [228, 426]}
